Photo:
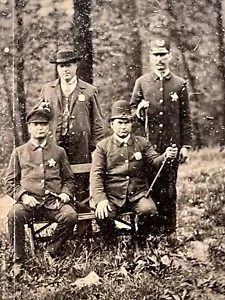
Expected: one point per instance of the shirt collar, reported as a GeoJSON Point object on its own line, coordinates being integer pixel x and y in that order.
{"type": "Point", "coordinates": [68, 87]}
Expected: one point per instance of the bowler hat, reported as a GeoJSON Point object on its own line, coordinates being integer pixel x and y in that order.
{"type": "Point", "coordinates": [159, 46]}
{"type": "Point", "coordinates": [39, 115]}
{"type": "Point", "coordinates": [65, 56]}
{"type": "Point", "coordinates": [121, 110]}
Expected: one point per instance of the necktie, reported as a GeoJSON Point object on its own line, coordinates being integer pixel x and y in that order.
{"type": "Point", "coordinates": [66, 114]}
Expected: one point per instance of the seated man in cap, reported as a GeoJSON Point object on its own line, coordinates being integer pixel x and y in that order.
{"type": "Point", "coordinates": [39, 178]}
{"type": "Point", "coordinates": [77, 119]}
{"type": "Point", "coordinates": [120, 169]}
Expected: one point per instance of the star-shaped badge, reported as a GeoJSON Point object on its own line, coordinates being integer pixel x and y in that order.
{"type": "Point", "coordinates": [51, 162]}
{"type": "Point", "coordinates": [174, 97]}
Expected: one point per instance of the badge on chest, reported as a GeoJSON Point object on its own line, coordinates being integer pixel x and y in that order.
{"type": "Point", "coordinates": [138, 155]}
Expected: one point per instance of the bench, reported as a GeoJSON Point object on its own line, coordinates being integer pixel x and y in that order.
{"type": "Point", "coordinates": [125, 220]}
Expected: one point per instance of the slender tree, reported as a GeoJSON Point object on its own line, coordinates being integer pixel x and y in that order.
{"type": "Point", "coordinates": [133, 52]}
{"type": "Point", "coordinates": [221, 54]}
{"type": "Point", "coordinates": [19, 66]}
{"type": "Point", "coordinates": [83, 37]}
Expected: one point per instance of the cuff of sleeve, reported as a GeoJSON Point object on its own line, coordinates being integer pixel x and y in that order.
{"type": "Point", "coordinates": [68, 192]}
{"type": "Point", "coordinates": [20, 193]}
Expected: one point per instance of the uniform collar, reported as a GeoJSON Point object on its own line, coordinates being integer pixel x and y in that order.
{"type": "Point", "coordinates": [33, 146]}
{"type": "Point", "coordinates": [119, 142]}
{"type": "Point", "coordinates": [166, 76]}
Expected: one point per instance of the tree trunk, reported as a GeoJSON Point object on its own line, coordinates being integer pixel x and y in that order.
{"type": "Point", "coordinates": [11, 111]}
{"type": "Point", "coordinates": [19, 67]}
{"type": "Point", "coordinates": [221, 66]}
{"type": "Point", "coordinates": [191, 78]}
{"type": "Point", "coordinates": [133, 52]}
{"type": "Point", "coordinates": [83, 38]}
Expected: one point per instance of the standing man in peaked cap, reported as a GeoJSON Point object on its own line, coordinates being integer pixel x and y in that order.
{"type": "Point", "coordinates": [160, 101]}
{"type": "Point", "coordinates": [77, 120]}
{"type": "Point", "coordinates": [37, 171]}
{"type": "Point", "coordinates": [121, 164]}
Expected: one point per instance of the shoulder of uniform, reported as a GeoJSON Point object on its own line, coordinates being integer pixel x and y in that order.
{"type": "Point", "coordinates": [179, 79]}
{"type": "Point", "coordinates": [144, 77]}
{"type": "Point", "coordinates": [140, 139]}
{"type": "Point", "coordinates": [21, 148]}
{"type": "Point", "coordinates": [104, 141]}
{"type": "Point", "coordinates": [85, 84]}
{"type": "Point", "coordinates": [52, 83]}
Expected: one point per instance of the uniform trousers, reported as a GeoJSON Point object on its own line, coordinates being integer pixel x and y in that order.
{"type": "Point", "coordinates": [144, 208]}
{"type": "Point", "coordinates": [20, 214]}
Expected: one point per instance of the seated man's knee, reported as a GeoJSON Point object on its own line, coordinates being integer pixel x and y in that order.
{"type": "Point", "coordinates": [17, 213]}
{"type": "Point", "coordinates": [146, 206]}
{"type": "Point", "coordinates": [71, 217]}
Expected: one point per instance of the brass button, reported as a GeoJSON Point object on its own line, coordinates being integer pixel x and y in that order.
{"type": "Point", "coordinates": [161, 113]}
{"type": "Point", "coordinates": [160, 125]}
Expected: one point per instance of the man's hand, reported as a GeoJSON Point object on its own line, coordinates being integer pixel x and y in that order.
{"type": "Point", "coordinates": [44, 105]}
{"type": "Point", "coordinates": [64, 197]}
{"type": "Point", "coordinates": [102, 210]}
{"type": "Point", "coordinates": [183, 155]}
{"type": "Point", "coordinates": [171, 152]}
{"type": "Point", "coordinates": [29, 200]}
{"type": "Point", "coordinates": [143, 104]}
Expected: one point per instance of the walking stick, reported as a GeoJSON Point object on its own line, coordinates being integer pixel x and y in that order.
{"type": "Point", "coordinates": [146, 124]}
{"type": "Point", "coordinates": [157, 175]}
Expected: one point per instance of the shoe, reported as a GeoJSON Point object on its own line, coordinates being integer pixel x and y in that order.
{"type": "Point", "coordinates": [16, 270]}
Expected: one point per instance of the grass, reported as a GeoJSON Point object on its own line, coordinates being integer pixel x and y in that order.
{"type": "Point", "coordinates": [192, 267]}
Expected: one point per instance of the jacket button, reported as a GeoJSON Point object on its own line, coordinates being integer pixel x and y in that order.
{"type": "Point", "coordinates": [42, 181]}
{"type": "Point", "coordinates": [125, 145]}
{"type": "Point", "coordinates": [161, 101]}
{"type": "Point", "coordinates": [161, 113]}
{"type": "Point", "coordinates": [160, 125]}
{"type": "Point", "coordinates": [127, 177]}
{"type": "Point", "coordinates": [126, 161]}
{"type": "Point", "coordinates": [161, 89]}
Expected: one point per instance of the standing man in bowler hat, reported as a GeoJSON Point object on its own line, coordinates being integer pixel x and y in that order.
{"type": "Point", "coordinates": [160, 101]}
{"type": "Point", "coordinates": [120, 166]}
{"type": "Point", "coordinates": [77, 120]}
{"type": "Point", "coordinates": [37, 171]}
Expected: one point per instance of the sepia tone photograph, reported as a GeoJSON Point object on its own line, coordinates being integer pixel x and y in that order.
{"type": "Point", "coordinates": [112, 150]}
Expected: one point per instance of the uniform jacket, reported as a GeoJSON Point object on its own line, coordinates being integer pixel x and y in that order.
{"type": "Point", "coordinates": [85, 120]}
{"type": "Point", "coordinates": [34, 170]}
{"type": "Point", "coordinates": [169, 115]}
{"type": "Point", "coordinates": [119, 170]}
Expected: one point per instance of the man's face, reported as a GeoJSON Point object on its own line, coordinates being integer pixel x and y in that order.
{"type": "Point", "coordinates": [67, 70]}
{"type": "Point", "coordinates": [121, 127]}
{"type": "Point", "coordinates": [38, 130]}
{"type": "Point", "coordinates": [160, 61]}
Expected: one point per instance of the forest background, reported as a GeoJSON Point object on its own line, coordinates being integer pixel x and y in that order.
{"type": "Point", "coordinates": [113, 36]}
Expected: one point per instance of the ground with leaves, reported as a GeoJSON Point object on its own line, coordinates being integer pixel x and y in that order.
{"type": "Point", "coordinates": [191, 267]}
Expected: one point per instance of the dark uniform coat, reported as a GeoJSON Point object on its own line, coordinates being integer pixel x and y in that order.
{"type": "Point", "coordinates": [85, 126]}
{"type": "Point", "coordinates": [119, 171]}
{"type": "Point", "coordinates": [169, 114]}
{"type": "Point", "coordinates": [35, 170]}
{"type": "Point", "coordinates": [169, 123]}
